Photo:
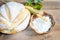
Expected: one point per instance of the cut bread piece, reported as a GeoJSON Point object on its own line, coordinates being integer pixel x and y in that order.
{"type": "Point", "coordinates": [14, 17]}
{"type": "Point", "coordinates": [40, 25]}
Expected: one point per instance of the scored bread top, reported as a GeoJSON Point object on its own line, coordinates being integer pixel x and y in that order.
{"type": "Point", "coordinates": [12, 15]}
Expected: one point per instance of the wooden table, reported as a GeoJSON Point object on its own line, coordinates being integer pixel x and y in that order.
{"type": "Point", "coordinates": [29, 34]}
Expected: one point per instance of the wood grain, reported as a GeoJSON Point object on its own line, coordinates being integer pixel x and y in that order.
{"type": "Point", "coordinates": [29, 34]}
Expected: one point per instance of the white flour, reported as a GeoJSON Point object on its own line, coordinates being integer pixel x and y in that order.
{"type": "Point", "coordinates": [41, 26]}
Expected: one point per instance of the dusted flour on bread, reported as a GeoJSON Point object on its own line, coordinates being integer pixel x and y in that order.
{"type": "Point", "coordinates": [13, 17]}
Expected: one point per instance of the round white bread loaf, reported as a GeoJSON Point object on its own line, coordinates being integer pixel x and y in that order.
{"type": "Point", "coordinates": [13, 17]}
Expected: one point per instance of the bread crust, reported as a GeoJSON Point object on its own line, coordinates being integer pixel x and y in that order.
{"type": "Point", "coordinates": [21, 19]}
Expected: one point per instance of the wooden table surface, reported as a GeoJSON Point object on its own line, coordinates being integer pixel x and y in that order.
{"type": "Point", "coordinates": [29, 34]}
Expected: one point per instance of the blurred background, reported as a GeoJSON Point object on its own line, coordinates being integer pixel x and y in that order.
{"type": "Point", "coordinates": [50, 6]}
